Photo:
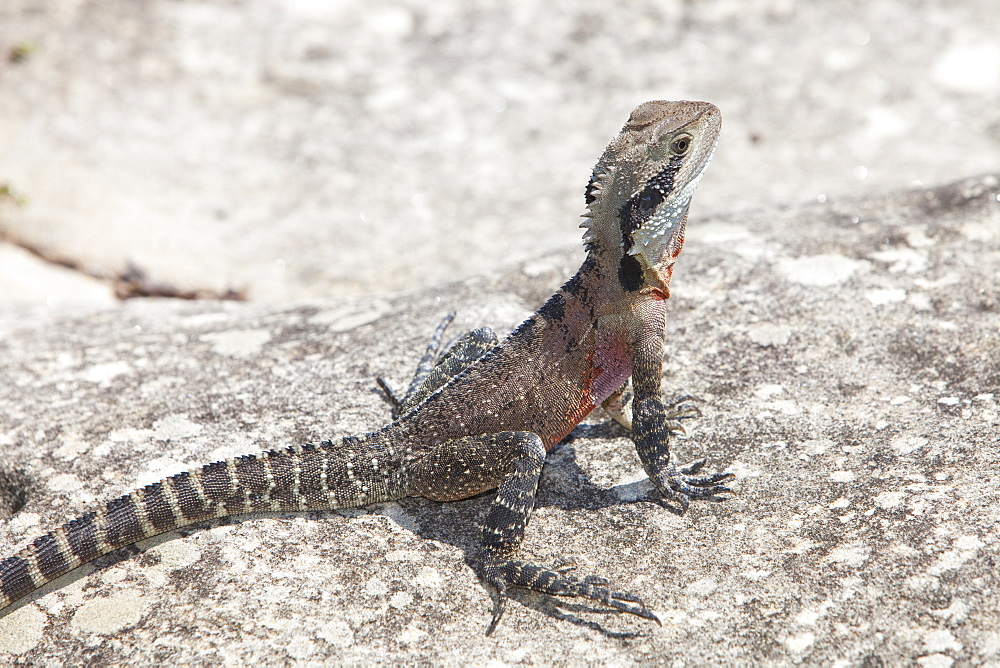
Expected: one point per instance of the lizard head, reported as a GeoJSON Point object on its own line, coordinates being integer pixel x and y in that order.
{"type": "Point", "coordinates": [641, 187]}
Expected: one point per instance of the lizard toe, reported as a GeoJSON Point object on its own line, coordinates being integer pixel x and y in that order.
{"type": "Point", "coordinates": [693, 467]}
{"type": "Point", "coordinates": [596, 580]}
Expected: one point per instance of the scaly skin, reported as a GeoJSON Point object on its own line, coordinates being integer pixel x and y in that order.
{"type": "Point", "coordinates": [484, 415]}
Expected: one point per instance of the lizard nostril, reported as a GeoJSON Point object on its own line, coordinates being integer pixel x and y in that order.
{"type": "Point", "coordinates": [14, 487]}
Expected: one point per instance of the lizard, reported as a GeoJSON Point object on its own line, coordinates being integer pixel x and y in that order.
{"type": "Point", "coordinates": [483, 414]}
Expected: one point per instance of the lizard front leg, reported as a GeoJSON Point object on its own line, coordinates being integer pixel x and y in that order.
{"type": "Point", "coordinates": [653, 422]}
{"type": "Point", "coordinates": [651, 432]}
{"type": "Point", "coordinates": [467, 466]}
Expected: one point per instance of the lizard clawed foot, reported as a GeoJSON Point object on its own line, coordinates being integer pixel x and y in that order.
{"type": "Point", "coordinates": [683, 485]}
{"type": "Point", "coordinates": [556, 582]}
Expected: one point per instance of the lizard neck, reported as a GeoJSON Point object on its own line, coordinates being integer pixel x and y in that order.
{"type": "Point", "coordinates": [630, 270]}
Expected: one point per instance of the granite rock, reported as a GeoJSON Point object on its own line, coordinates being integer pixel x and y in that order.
{"type": "Point", "coordinates": [846, 356]}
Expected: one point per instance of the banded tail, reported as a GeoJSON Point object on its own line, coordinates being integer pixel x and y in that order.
{"type": "Point", "coordinates": [307, 477]}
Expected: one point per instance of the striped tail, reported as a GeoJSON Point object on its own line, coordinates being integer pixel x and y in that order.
{"type": "Point", "coordinates": [308, 477]}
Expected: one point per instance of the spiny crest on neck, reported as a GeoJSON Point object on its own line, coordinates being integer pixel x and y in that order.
{"type": "Point", "coordinates": [640, 189]}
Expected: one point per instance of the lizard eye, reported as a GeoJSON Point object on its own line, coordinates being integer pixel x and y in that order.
{"type": "Point", "coordinates": [680, 145]}
{"type": "Point", "coordinates": [649, 199]}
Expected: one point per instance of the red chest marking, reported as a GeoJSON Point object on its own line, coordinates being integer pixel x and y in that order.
{"type": "Point", "coordinates": [612, 366]}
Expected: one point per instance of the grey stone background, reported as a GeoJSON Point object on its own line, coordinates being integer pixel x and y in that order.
{"type": "Point", "coordinates": [311, 149]}
{"type": "Point", "coordinates": [359, 169]}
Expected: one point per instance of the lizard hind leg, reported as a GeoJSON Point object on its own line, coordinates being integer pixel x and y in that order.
{"type": "Point", "coordinates": [503, 532]}
{"type": "Point", "coordinates": [512, 463]}
{"type": "Point", "coordinates": [436, 369]}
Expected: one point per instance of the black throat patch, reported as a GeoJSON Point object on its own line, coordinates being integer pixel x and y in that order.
{"type": "Point", "coordinates": [641, 206]}
{"type": "Point", "coordinates": [630, 273]}
{"type": "Point", "coordinates": [637, 211]}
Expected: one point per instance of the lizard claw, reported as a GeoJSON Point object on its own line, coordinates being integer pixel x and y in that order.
{"type": "Point", "coordinates": [676, 429]}
{"type": "Point", "coordinates": [499, 605]}
{"type": "Point", "coordinates": [632, 604]}
{"type": "Point", "coordinates": [594, 587]}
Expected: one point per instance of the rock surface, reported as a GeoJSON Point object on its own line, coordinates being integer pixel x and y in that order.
{"type": "Point", "coordinates": [325, 156]}
{"type": "Point", "coordinates": [847, 357]}
{"type": "Point", "coordinates": [303, 149]}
